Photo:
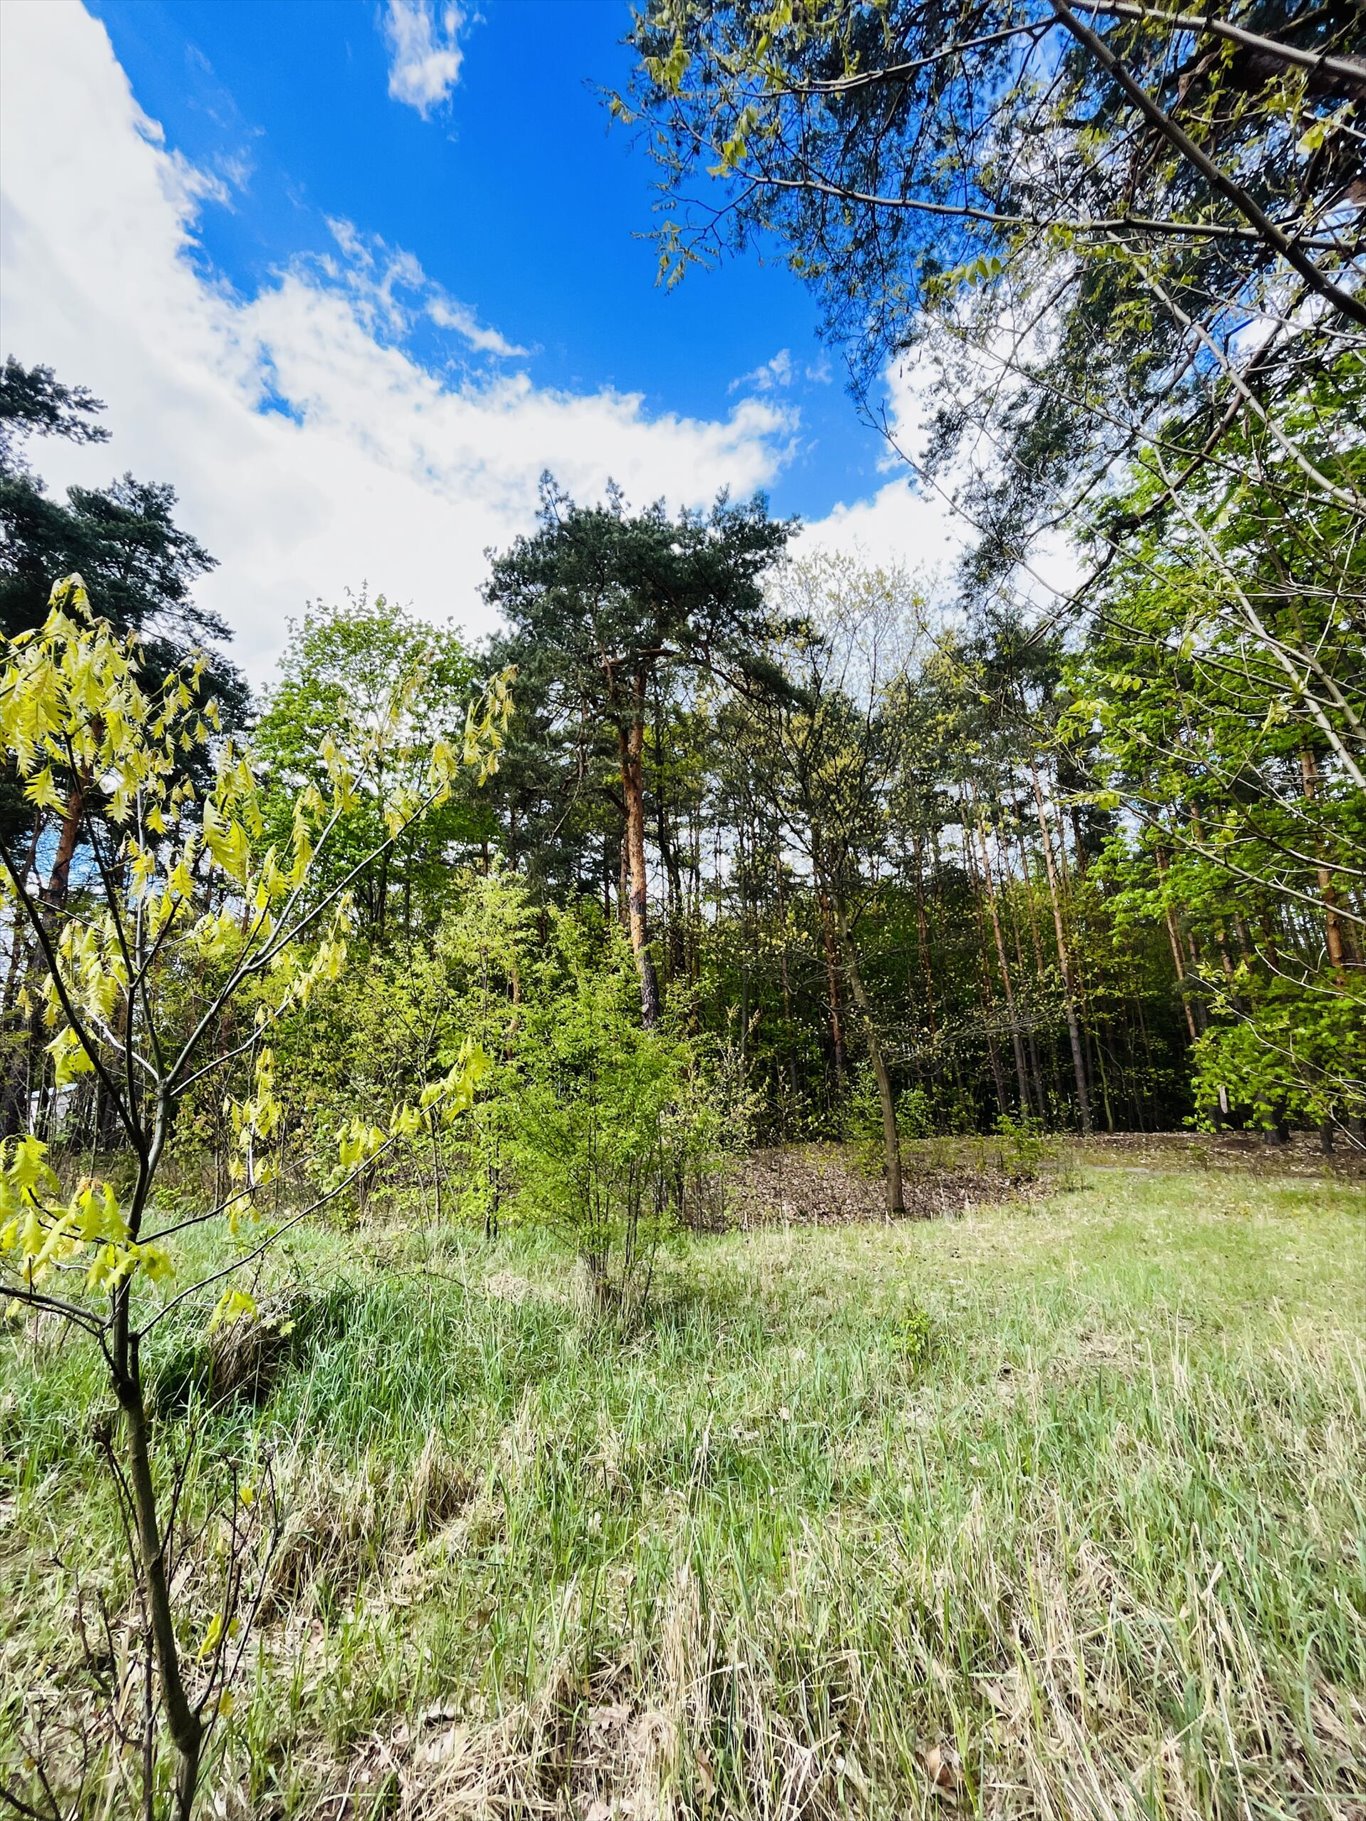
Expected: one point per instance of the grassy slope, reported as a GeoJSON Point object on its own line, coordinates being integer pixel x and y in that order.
{"type": "Point", "coordinates": [1089, 1541]}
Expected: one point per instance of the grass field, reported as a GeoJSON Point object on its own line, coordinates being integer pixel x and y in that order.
{"type": "Point", "coordinates": [1053, 1509]}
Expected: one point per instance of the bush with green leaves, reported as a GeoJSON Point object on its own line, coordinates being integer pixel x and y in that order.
{"type": "Point", "coordinates": [1287, 1053]}
{"type": "Point", "coordinates": [1021, 1145]}
{"type": "Point", "coordinates": [617, 1124]}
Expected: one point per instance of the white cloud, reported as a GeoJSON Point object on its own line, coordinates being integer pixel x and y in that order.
{"type": "Point", "coordinates": [908, 521]}
{"type": "Point", "coordinates": [915, 519]}
{"type": "Point", "coordinates": [899, 525]}
{"type": "Point", "coordinates": [310, 449]}
{"type": "Point", "coordinates": [782, 371]}
{"type": "Point", "coordinates": [390, 289]}
{"type": "Point", "coordinates": [770, 375]}
{"type": "Point", "coordinates": [424, 52]}
{"type": "Point", "coordinates": [448, 313]}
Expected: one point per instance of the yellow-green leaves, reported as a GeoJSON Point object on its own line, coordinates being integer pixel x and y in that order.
{"type": "Point", "coordinates": [28, 1169]}
{"type": "Point", "coordinates": [486, 723]}
{"type": "Point", "coordinates": [214, 1636]}
{"type": "Point", "coordinates": [735, 147]}
{"type": "Point", "coordinates": [69, 1057]}
{"type": "Point", "coordinates": [406, 1122]}
{"type": "Point", "coordinates": [42, 790]}
{"type": "Point", "coordinates": [979, 271]}
{"type": "Point", "coordinates": [227, 843]}
{"type": "Point", "coordinates": [232, 1306]}
{"type": "Point", "coordinates": [113, 1263]}
{"type": "Point", "coordinates": [100, 1215]}
{"type": "Point", "coordinates": [668, 71]}
{"type": "Point", "coordinates": [255, 1120]}
{"type": "Point", "coordinates": [192, 935]}
{"type": "Point", "coordinates": [454, 1093]}
{"type": "Point", "coordinates": [358, 1142]}
{"type": "Point", "coordinates": [42, 1231]}
{"type": "Point", "coordinates": [339, 772]}
{"type": "Point", "coordinates": [70, 698]}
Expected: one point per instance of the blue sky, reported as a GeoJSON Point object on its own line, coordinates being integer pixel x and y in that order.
{"type": "Point", "coordinates": [516, 194]}
{"type": "Point", "coordinates": [411, 238]}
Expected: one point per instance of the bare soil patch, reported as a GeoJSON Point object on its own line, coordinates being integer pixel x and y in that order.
{"type": "Point", "coordinates": [1300, 1155]}
{"type": "Point", "coordinates": [825, 1184]}
{"type": "Point", "coordinates": [819, 1185]}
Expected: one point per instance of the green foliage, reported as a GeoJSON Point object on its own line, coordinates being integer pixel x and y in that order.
{"type": "Point", "coordinates": [914, 1113]}
{"type": "Point", "coordinates": [370, 683]}
{"type": "Point", "coordinates": [202, 942]}
{"type": "Point", "coordinates": [863, 1118]}
{"type": "Point", "coordinates": [1289, 1053]}
{"type": "Point", "coordinates": [915, 1338]}
{"type": "Point", "coordinates": [613, 1124]}
{"type": "Point", "coordinates": [1022, 1145]}
{"type": "Point", "coordinates": [1227, 708]}
{"type": "Point", "coordinates": [601, 593]}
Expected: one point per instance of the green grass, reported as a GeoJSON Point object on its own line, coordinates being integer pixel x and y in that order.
{"type": "Point", "coordinates": [1056, 1509]}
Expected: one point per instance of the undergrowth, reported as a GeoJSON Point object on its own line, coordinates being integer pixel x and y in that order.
{"type": "Point", "coordinates": [1055, 1509]}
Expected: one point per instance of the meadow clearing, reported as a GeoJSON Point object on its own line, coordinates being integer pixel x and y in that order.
{"type": "Point", "coordinates": [1051, 1508]}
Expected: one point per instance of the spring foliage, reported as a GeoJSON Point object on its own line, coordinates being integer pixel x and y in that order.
{"type": "Point", "coordinates": [190, 894]}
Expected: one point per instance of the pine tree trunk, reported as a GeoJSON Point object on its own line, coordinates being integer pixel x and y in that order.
{"type": "Point", "coordinates": [59, 879]}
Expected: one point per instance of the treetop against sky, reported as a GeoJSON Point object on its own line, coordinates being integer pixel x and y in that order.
{"type": "Point", "coordinates": [351, 276]}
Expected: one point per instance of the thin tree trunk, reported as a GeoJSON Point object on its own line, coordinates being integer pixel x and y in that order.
{"type": "Point", "coordinates": [785, 972]}
{"type": "Point", "coordinates": [187, 1727]}
{"type": "Point", "coordinates": [891, 1138]}
{"type": "Point", "coordinates": [668, 851]}
{"type": "Point", "coordinates": [1338, 956]}
{"type": "Point", "coordinates": [1064, 960]}
{"type": "Point", "coordinates": [1174, 937]}
{"type": "Point", "coordinates": [1016, 1040]}
{"type": "Point", "coordinates": [922, 932]}
{"type": "Point", "coordinates": [988, 995]}
{"type": "Point", "coordinates": [631, 745]}
{"type": "Point", "coordinates": [1029, 906]}
{"type": "Point", "coordinates": [832, 982]}
{"type": "Point", "coordinates": [675, 922]}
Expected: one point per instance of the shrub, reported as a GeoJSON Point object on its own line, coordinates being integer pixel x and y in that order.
{"type": "Point", "coordinates": [1021, 1145]}
{"type": "Point", "coordinates": [613, 1120]}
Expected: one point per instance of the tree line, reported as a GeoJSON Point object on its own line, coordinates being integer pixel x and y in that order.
{"type": "Point", "coordinates": [919, 870]}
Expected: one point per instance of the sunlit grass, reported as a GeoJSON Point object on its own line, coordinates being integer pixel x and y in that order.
{"type": "Point", "coordinates": [1054, 1509]}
